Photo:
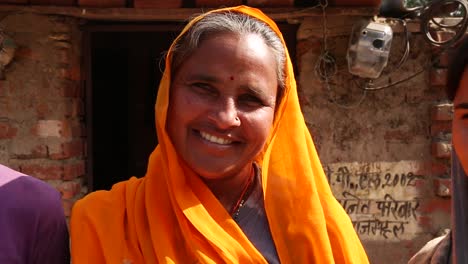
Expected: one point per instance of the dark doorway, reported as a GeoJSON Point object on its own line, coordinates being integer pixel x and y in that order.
{"type": "Point", "coordinates": [124, 65]}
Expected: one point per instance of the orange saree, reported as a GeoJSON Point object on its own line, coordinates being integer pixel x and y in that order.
{"type": "Point", "coordinates": [170, 215]}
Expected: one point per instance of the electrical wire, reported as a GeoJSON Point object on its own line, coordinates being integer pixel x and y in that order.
{"type": "Point", "coordinates": [405, 55]}
{"type": "Point", "coordinates": [326, 67]}
{"type": "Point", "coordinates": [429, 13]}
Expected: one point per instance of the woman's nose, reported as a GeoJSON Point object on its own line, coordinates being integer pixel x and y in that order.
{"type": "Point", "coordinates": [225, 115]}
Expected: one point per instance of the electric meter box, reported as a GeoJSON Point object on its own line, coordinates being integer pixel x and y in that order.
{"type": "Point", "coordinates": [369, 47]}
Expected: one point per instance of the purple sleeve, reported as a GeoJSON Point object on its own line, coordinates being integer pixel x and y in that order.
{"type": "Point", "coordinates": [52, 241]}
{"type": "Point", "coordinates": [33, 223]}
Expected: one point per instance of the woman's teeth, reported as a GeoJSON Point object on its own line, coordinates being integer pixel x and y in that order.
{"type": "Point", "coordinates": [214, 139]}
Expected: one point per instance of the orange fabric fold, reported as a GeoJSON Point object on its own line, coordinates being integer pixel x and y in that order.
{"type": "Point", "coordinates": [170, 215]}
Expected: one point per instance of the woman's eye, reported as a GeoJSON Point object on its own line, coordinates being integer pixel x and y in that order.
{"type": "Point", "coordinates": [203, 88]}
{"type": "Point", "coordinates": [250, 100]}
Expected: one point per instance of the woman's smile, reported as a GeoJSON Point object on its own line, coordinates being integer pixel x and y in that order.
{"type": "Point", "coordinates": [215, 139]}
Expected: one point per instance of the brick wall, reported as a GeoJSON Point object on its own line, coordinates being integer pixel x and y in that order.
{"type": "Point", "coordinates": [41, 103]}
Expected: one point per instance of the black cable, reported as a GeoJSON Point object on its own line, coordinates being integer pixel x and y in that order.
{"type": "Point", "coordinates": [405, 55]}
{"type": "Point", "coordinates": [429, 13]}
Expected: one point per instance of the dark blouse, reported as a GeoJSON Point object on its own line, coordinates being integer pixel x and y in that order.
{"type": "Point", "coordinates": [253, 221]}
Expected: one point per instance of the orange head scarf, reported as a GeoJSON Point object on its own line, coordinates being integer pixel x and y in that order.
{"type": "Point", "coordinates": [170, 215]}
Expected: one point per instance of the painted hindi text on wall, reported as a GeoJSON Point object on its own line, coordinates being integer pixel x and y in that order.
{"type": "Point", "coordinates": [381, 198]}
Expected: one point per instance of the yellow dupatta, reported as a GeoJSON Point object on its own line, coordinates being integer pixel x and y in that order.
{"type": "Point", "coordinates": [170, 215]}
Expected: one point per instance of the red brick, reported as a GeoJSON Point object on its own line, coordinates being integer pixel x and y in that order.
{"type": "Point", "coordinates": [43, 171]}
{"type": "Point", "coordinates": [52, 128]}
{"type": "Point", "coordinates": [70, 73]}
{"type": "Point", "coordinates": [85, 149]}
{"type": "Point", "coordinates": [442, 127]}
{"type": "Point", "coordinates": [440, 168]}
{"type": "Point", "coordinates": [69, 89]}
{"type": "Point", "coordinates": [4, 85]}
{"type": "Point", "coordinates": [69, 189]}
{"type": "Point", "coordinates": [154, 4]}
{"type": "Point", "coordinates": [62, 45]}
{"type": "Point", "coordinates": [67, 206]}
{"type": "Point", "coordinates": [60, 36]}
{"type": "Point", "coordinates": [73, 171]}
{"type": "Point", "coordinates": [75, 108]}
{"type": "Point", "coordinates": [62, 56]}
{"type": "Point", "coordinates": [270, 3]}
{"type": "Point", "coordinates": [7, 131]}
{"type": "Point", "coordinates": [67, 150]}
{"type": "Point", "coordinates": [444, 60]}
{"type": "Point", "coordinates": [215, 3]}
{"type": "Point", "coordinates": [438, 77]}
{"type": "Point", "coordinates": [39, 151]}
{"type": "Point", "coordinates": [74, 148]}
{"type": "Point", "coordinates": [420, 184]}
{"type": "Point", "coordinates": [78, 130]}
{"type": "Point", "coordinates": [434, 205]}
{"type": "Point", "coordinates": [61, 27]}
{"type": "Point", "coordinates": [442, 112]}
{"type": "Point", "coordinates": [425, 221]}
{"type": "Point", "coordinates": [27, 53]}
{"type": "Point", "coordinates": [441, 149]}
{"type": "Point", "coordinates": [28, 148]}
{"type": "Point", "coordinates": [42, 109]}
{"type": "Point", "coordinates": [443, 187]}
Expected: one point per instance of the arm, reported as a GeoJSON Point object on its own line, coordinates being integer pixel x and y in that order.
{"type": "Point", "coordinates": [51, 243]}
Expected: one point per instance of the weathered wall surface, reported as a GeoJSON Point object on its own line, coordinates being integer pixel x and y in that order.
{"type": "Point", "coordinates": [376, 145]}
{"type": "Point", "coordinates": [41, 104]}
{"type": "Point", "coordinates": [381, 150]}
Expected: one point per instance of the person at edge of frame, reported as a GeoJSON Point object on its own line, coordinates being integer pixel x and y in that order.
{"type": "Point", "coordinates": [453, 246]}
{"type": "Point", "coordinates": [33, 227]}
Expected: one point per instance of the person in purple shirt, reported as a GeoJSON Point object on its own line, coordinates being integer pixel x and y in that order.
{"type": "Point", "coordinates": [33, 228]}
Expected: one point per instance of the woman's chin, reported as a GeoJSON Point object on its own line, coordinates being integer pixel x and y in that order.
{"type": "Point", "coordinates": [215, 174]}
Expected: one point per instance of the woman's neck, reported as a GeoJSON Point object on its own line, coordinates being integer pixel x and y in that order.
{"type": "Point", "coordinates": [229, 190]}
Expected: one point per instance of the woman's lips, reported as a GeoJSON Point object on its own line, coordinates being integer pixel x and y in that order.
{"type": "Point", "coordinates": [215, 139]}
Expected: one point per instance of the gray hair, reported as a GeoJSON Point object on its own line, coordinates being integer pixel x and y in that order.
{"type": "Point", "coordinates": [233, 22]}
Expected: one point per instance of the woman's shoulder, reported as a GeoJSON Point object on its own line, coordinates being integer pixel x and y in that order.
{"type": "Point", "coordinates": [28, 193]}
{"type": "Point", "coordinates": [104, 203]}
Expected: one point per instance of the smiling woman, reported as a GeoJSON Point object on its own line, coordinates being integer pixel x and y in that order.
{"type": "Point", "coordinates": [235, 177]}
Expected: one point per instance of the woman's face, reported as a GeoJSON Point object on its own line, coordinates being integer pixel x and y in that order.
{"type": "Point", "coordinates": [460, 121]}
{"type": "Point", "coordinates": [222, 104]}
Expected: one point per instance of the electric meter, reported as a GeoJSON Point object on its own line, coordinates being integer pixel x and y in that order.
{"type": "Point", "coordinates": [369, 47]}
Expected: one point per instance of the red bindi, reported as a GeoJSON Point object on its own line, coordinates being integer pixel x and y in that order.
{"type": "Point", "coordinates": [232, 78]}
